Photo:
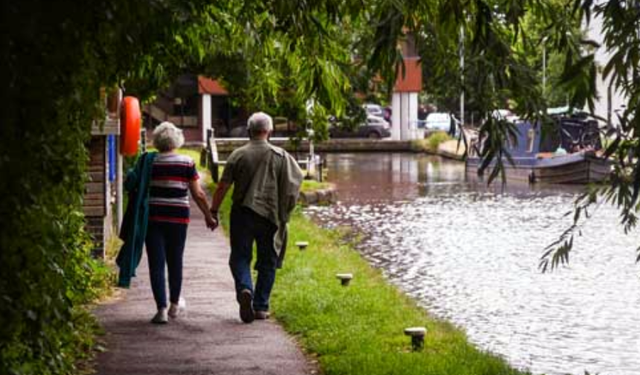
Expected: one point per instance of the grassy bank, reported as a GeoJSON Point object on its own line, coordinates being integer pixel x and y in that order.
{"type": "Point", "coordinates": [430, 144]}
{"type": "Point", "coordinates": [312, 185]}
{"type": "Point", "coordinates": [359, 329]}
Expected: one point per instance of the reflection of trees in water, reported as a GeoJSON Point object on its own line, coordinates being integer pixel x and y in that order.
{"type": "Point", "coordinates": [403, 176]}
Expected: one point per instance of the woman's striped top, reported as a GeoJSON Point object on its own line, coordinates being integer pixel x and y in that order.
{"type": "Point", "coordinates": [169, 191]}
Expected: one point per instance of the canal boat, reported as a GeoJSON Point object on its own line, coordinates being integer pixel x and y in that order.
{"type": "Point", "coordinates": [568, 153]}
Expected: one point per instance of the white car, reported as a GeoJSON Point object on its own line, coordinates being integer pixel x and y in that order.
{"type": "Point", "coordinates": [504, 114]}
{"type": "Point", "coordinates": [373, 109]}
{"type": "Point", "coordinates": [442, 121]}
{"type": "Point", "coordinates": [375, 128]}
{"type": "Point", "coordinates": [373, 120]}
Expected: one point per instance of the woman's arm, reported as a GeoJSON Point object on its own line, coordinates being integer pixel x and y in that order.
{"type": "Point", "coordinates": [201, 200]}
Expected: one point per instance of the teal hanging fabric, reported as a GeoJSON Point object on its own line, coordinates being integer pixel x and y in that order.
{"type": "Point", "coordinates": [134, 223]}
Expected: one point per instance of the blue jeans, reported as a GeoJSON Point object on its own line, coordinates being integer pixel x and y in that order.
{"type": "Point", "coordinates": [247, 227]}
{"type": "Point", "coordinates": [165, 245]}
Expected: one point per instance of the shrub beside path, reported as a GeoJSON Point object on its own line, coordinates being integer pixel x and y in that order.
{"type": "Point", "coordinates": [209, 338]}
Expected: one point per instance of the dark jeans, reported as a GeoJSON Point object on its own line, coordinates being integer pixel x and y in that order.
{"type": "Point", "coordinates": [247, 227]}
{"type": "Point", "coordinates": [165, 245]}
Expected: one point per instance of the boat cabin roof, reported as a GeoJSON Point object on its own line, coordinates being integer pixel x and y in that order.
{"type": "Point", "coordinates": [571, 133]}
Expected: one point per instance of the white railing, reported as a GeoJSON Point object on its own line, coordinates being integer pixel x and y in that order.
{"type": "Point", "coordinates": [314, 163]}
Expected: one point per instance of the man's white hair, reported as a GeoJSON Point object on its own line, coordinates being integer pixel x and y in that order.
{"type": "Point", "coordinates": [259, 122]}
{"type": "Point", "coordinates": [167, 137]}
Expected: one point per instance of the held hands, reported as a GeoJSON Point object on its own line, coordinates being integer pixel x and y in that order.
{"type": "Point", "coordinates": [212, 220]}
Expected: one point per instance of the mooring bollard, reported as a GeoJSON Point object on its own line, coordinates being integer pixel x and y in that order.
{"type": "Point", "coordinates": [345, 278]}
{"type": "Point", "coordinates": [417, 337]}
{"type": "Point", "coordinates": [302, 245]}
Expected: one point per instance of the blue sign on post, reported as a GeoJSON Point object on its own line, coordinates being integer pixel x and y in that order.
{"type": "Point", "coordinates": [111, 145]}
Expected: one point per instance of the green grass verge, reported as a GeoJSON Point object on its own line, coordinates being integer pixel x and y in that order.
{"type": "Point", "coordinates": [431, 143]}
{"type": "Point", "coordinates": [360, 329]}
{"type": "Point", "coordinates": [312, 185]}
{"type": "Point", "coordinates": [195, 155]}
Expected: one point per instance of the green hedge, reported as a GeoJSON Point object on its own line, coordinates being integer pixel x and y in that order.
{"type": "Point", "coordinates": [45, 263]}
{"type": "Point", "coordinates": [58, 57]}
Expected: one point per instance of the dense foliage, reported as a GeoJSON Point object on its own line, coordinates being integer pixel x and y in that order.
{"type": "Point", "coordinates": [442, 80]}
{"type": "Point", "coordinates": [621, 42]}
{"type": "Point", "coordinates": [57, 55]}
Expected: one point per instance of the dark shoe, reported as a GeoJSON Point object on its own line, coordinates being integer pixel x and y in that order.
{"type": "Point", "coordinates": [261, 315]}
{"type": "Point", "coordinates": [246, 309]}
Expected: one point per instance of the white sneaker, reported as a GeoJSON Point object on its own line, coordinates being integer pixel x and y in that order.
{"type": "Point", "coordinates": [160, 317]}
{"type": "Point", "coordinates": [176, 309]}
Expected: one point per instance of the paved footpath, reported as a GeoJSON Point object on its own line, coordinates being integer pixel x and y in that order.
{"type": "Point", "coordinates": [209, 338]}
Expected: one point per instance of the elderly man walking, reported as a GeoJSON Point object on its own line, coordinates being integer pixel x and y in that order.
{"type": "Point", "coordinates": [266, 183]}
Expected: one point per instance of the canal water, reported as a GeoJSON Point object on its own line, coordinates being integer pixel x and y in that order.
{"type": "Point", "coordinates": [470, 254]}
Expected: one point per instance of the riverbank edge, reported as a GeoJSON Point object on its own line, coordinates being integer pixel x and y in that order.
{"type": "Point", "coordinates": [359, 329]}
{"type": "Point", "coordinates": [323, 196]}
{"type": "Point", "coordinates": [226, 146]}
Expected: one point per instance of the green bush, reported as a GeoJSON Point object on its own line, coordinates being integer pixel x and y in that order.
{"type": "Point", "coordinates": [435, 139]}
{"type": "Point", "coordinates": [431, 143]}
{"type": "Point", "coordinates": [58, 57]}
{"type": "Point", "coordinates": [43, 286]}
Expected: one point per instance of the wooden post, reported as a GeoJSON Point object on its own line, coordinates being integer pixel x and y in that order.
{"type": "Point", "coordinates": [119, 185]}
{"type": "Point", "coordinates": [116, 99]}
{"type": "Point", "coordinates": [311, 164]}
{"type": "Point", "coordinates": [212, 155]}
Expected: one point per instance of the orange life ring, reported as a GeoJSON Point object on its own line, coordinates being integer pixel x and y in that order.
{"type": "Point", "coordinates": [130, 119]}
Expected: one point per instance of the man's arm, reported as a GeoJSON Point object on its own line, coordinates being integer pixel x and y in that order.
{"type": "Point", "coordinates": [201, 200]}
{"type": "Point", "coordinates": [218, 196]}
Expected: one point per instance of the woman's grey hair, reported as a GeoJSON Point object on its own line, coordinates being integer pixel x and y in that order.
{"type": "Point", "coordinates": [259, 122]}
{"type": "Point", "coordinates": [167, 137]}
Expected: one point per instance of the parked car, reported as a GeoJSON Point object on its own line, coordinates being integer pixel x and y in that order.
{"type": "Point", "coordinates": [373, 109]}
{"type": "Point", "coordinates": [375, 127]}
{"type": "Point", "coordinates": [504, 114]}
{"type": "Point", "coordinates": [442, 121]}
{"type": "Point", "coordinates": [239, 132]}
{"type": "Point", "coordinates": [281, 128]}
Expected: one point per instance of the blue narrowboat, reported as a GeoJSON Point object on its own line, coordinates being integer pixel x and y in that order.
{"type": "Point", "coordinates": [568, 153]}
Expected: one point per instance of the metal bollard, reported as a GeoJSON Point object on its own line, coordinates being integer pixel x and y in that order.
{"type": "Point", "coordinates": [345, 278]}
{"type": "Point", "coordinates": [417, 337]}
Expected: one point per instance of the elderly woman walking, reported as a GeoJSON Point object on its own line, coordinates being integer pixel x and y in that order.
{"type": "Point", "coordinates": [172, 176]}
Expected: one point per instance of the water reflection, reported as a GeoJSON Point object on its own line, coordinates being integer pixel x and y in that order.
{"type": "Point", "coordinates": [401, 177]}
{"type": "Point", "coordinates": [469, 254]}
